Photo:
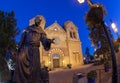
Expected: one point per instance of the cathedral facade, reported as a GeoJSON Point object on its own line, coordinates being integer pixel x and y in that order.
{"type": "Point", "coordinates": [67, 47]}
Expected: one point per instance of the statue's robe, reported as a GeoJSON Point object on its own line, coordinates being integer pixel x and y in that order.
{"type": "Point", "coordinates": [28, 68]}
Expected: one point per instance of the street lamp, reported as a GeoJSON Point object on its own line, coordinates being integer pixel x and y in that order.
{"type": "Point", "coordinates": [89, 3]}
{"type": "Point", "coordinates": [114, 27]}
{"type": "Point", "coordinates": [94, 19]}
{"type": "Point", "coordinates": [81, 1]}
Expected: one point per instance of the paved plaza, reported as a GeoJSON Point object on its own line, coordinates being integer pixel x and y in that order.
{"type": "Point", "coordinates": [67, 75]}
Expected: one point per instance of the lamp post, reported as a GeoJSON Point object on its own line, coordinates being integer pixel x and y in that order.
{"type": "Point", "coordinates": [95, 19]}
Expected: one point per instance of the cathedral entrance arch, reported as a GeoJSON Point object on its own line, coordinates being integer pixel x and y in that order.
{"type": "Point", "coordinates": [56, 57]}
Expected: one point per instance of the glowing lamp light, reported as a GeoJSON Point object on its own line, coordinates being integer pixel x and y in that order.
{"type": "Point", "coordinates": [113, 25]}
{"type": "Point", "coordinates": [116, 30]}
{"type": "Point", "coordinates": [95, 49]}
{"type": "Point", "coordinates": [84, 58]}
{"type": "Point", "coordinates": [49, 62]}
{"type": "Point", "coordinates": [95, 55]}
{"type": "Point", "coordinates": [81, 1]}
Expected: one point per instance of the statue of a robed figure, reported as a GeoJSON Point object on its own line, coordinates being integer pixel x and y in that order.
{"type": "Point", "coordinates": [28, 67]}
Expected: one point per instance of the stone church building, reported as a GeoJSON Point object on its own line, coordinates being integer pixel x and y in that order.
{"type": "Point", "coordinates": [67, 47]}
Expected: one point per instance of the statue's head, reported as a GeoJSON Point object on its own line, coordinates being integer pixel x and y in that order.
{"type": "Point", "coordinates": [38, 20]}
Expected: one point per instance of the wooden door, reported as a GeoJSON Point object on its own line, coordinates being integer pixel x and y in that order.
{"type": "Point", "coordinates": [56, 63]}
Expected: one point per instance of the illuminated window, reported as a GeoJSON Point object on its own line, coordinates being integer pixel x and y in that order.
{"type": "Point", "coordinates": [55, 29]}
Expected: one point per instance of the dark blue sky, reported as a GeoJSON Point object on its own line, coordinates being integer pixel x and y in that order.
{"type": "Point", "coordinates": [60, 11]}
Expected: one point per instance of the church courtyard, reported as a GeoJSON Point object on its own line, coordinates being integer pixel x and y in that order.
{"type": "Point", "coordinates": [67, 75]}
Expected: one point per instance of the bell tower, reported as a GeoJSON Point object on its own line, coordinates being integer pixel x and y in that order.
{"type": "Point", "coordinates": [74, 43]}
{"type": "Point", "coordinates": [72, 31]}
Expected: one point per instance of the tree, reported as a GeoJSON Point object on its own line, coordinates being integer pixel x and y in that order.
{"type": "Point", "coordinates": [94, 19]}
{"type": "Point", "coordinates": [87, 51]}
{"type": "Point", "coordinates": [8, 32]}
{"type": "Point", "coordinates": [100, 35]}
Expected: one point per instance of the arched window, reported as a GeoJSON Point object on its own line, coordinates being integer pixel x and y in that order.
{"type": "Point", "coordinates": [55, 56]}
{"type": "Point", "coordinates": [71, 34]}
{"type": "Point", "coordinates": [74, 35]}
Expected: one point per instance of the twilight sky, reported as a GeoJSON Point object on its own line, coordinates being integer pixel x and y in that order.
{"type": "Point", "coordinates": [61, 11]}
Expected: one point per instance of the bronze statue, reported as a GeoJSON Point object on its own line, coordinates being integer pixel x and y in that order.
{"type": "Point", "coordinates": [28, 67]}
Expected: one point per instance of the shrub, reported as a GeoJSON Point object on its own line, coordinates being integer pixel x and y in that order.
{"type": "Point", "coordinates": [92, 74]}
